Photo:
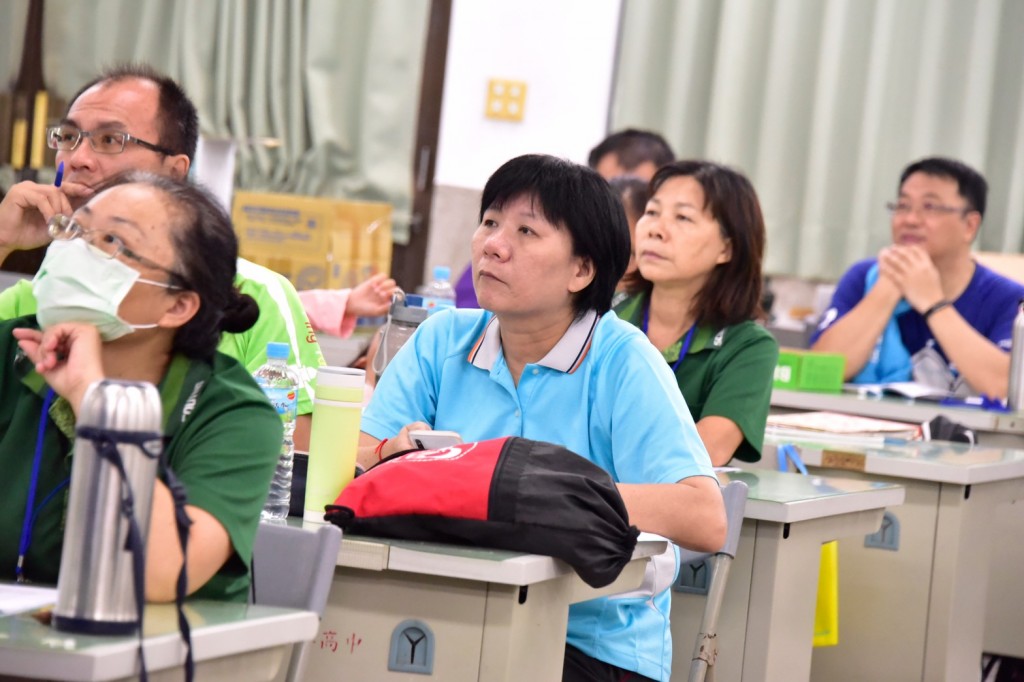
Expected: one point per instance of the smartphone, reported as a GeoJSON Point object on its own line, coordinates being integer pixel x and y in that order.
{"type": "Point", "coordinates": [433, 440]}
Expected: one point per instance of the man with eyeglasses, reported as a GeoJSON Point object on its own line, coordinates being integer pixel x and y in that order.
{"type": "Point", "coordinates": [924, 309]}
{"type": "Point", "coordinates": [133, 118]}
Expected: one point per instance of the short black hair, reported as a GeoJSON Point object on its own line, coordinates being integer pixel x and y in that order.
{"type": "Point", "coordinates": [633, 147]}
{"type": "Point", "coordinates": [179, 120]}
{"type": "Point", "coordinates": [206, 255]}
{"type": "Point", "coordinates": [970, 183]}
{"type": "Point", "coordinates": [577, 198]}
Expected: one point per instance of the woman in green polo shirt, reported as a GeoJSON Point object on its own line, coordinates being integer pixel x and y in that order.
{"type": "Point", "coordinates": [697, 294]}
{"type": "Point", "coordinates": [138, 285]}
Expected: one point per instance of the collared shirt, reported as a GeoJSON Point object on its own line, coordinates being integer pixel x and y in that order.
{"type": "Point", "coordinates": [225, 442]}
{"type": "Point", "coordinates": [603, 391]}
{"type": "Point", "coordinates": [726, 373]}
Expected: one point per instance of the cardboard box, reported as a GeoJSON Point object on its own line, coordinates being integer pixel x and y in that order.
{"type": "Point", "coordinates": [316, 243]}
{"type": "Point", "coordinates": [804, 370]}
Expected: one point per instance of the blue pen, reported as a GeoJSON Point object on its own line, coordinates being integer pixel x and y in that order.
{"type": "Point", "coordinates": [60, 175]}
{"type": "Point", "coordinates": [980, 402]}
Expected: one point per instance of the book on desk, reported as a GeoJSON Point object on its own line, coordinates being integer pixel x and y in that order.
{"type": "Point", "coordinates": [17, 598]}
{"type": "Point", "coordinates": [836, 427]}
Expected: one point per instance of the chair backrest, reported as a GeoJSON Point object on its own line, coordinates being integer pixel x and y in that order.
{"type": "Point", "coordinates": [735, 497]}
{"type": "Point", "coordinates": [717, 566]}
{"type": "Point", "coordinates": [293, 567]}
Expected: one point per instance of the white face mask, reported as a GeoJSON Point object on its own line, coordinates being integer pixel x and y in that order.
{"type": "Point", "coordinates": [79, 283]}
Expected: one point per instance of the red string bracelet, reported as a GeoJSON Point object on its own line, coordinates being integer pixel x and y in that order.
{"type": "Point", "coordinates": [378, 450]}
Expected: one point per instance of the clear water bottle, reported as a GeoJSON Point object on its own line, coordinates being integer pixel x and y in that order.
{"type": "Point", "coordinates": [439, 293]}
{"type": "Point", "coordinates": [406, 313]}
{"type": "Point", "coordinates": [1015, 396]}
{"type": "Point", "coordinates": [281, 386]}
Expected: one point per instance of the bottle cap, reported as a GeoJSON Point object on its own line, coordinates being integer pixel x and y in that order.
{"type": "Point", "coordinates": [278, 351]}
{"type": "Point", "coordinates": [442, 272]}
{"type": "Point", "coordinates": [408, 314]}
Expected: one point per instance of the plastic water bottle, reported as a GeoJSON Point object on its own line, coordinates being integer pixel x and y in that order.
{"type": "Point", "coordinates": [406, 313]}
{"type": "Point", "coordinates": [1015, 396]}
{"type": "Point", "coordinates": [281, 387]}
{"type": "Point", "coordinates": [439, 293]}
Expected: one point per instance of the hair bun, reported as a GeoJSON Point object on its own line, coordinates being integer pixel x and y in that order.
{"type": "Point", "coordinates": [240, 314]}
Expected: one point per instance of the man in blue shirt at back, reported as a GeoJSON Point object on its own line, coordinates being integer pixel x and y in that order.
{"type": "Point", "coordinates": [924, 309]}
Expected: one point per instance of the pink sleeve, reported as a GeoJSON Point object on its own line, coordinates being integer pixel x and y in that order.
{"type": "Point", "coordinates": [326, 310]}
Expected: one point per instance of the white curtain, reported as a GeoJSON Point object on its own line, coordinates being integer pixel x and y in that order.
{"type": "Point", "coordinates": [823, 102]}
{"type": "Point", "coordinates": [336, 82]}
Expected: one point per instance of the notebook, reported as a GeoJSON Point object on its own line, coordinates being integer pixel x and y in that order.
{"type": "Point", "coordinates": [837, 427]}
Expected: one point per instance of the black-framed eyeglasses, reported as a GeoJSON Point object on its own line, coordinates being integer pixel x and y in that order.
{"type": "Point", "coordinates": [66, 138]}
{"type": "Point", "coordinates": [927, 209]}
{"type": "Point", "coordinates": [65, 228]}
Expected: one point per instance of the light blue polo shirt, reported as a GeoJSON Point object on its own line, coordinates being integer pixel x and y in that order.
{"type": "Point", "coordinates": [603, 391]}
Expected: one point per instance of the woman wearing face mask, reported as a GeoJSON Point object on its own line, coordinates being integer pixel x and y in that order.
{"type": "Point", "coordinates": [697, 292]}
{"type": "Point", "coordinates": [138, 285]}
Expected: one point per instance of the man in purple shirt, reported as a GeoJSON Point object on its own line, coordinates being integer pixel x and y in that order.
{"type": "Point", "coordinates": [952, 316]}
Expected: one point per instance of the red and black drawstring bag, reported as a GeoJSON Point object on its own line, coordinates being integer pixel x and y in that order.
{"type": "Point", "coordinates": [508, 493]}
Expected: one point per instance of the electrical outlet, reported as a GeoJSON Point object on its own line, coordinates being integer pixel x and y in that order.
{"type": "Point", "coordinates": [506, 99]}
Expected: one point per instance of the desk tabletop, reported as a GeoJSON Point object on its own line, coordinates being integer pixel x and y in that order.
{"type": "Point", "coordinates": [31, 648]}
{"type": "Point", "coordinates": [899, 409]}
{"type": "Point", "coordinates": [789, 498]}
{"type": "Point", "coordinates": [938, 461]}
{"type": "Point", "coordinates": [468, 563]}
{"type": "Point", "coordinates": [773, 496]}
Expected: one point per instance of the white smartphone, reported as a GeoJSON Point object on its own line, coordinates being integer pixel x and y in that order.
{"type": "Point", "coordinates": [433, 440]}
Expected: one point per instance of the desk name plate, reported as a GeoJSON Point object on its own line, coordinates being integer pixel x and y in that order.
{"type": "Point", "coordinates": [850, 461]}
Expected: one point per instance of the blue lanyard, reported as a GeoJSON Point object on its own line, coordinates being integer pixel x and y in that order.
{"type": "Point", "coordinates": [31, 511]}
{"type": "Point", "coordinates": [686, 341]}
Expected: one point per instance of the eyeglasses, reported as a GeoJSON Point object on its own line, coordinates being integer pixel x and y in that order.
{"type": "Point", "coordinates": [927, 209]}
{"type": "Point", "coordinates": [65, 228]}
{"type": "Point", "coordinates": [66, 138]}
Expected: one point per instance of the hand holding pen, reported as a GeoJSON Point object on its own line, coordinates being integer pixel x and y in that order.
{"type": "Point", "coordinates": [24, 211]}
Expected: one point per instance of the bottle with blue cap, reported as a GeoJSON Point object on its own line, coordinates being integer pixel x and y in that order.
{"type": "Point", "coordinates": [439, 293]}
{"type": "Point", "coordinates": [404, 316]}
{"type": "Point", "coordinates": [281, 386]}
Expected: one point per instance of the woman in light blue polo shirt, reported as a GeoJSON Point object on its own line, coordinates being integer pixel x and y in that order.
{"type": "Point", "coordinates": [546, 359]}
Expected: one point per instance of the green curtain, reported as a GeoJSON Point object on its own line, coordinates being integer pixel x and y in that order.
{"type": "Point", "coordinates": [823, 102]}
{"type": "Point", "coordinates": [336, 81]}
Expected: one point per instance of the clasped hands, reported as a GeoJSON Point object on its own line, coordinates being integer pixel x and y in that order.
{"type": "Point", "coordinates": [909, 273]}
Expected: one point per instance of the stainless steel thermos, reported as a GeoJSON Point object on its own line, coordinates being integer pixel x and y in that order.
{"type": "Point", "coordinates": [96, 584]}
{"type": "Point", "coordinates": [1015, 397]}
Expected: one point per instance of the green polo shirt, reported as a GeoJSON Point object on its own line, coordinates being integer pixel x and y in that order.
{"type": "Point", "coordinates": [282, 319]}
{"type": "Point", "coordinates": [726, 373]}
{"type": "Point", "coordinates": [223, 446]}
